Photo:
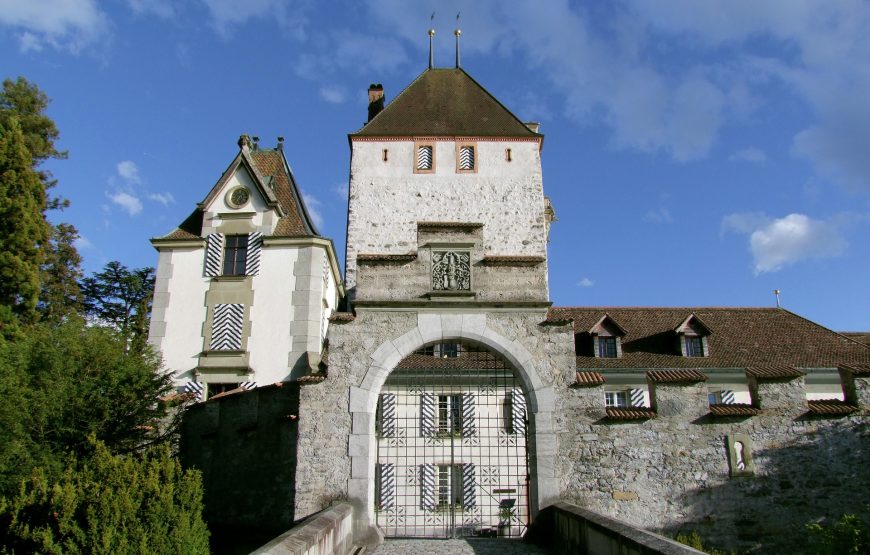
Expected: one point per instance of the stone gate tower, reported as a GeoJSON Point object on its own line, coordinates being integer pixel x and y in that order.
{"type": "Point", "coordinates": [445, 347]}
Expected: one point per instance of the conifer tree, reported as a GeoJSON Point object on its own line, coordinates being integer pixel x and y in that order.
{"type": "Point", "coordinates": [61, 272]}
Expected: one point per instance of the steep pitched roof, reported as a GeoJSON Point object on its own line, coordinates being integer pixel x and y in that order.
{"type": "Point", "coordinates": [273, 178]}
{"type": "Point", "coordinates": [741, 338]}
{"type": "Point", "coordinates": [445, 102]}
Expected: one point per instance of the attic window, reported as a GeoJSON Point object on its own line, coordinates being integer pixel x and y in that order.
{"type": "Point", "coordinates": [424, 158]}
{"type": "Point", "coordinates": [692, 334]}
{"type": "Point", "coordinates": [238, 197]}
{"type": "Point", "coordinates": [694, 346]}
{"type": "Point", "coordinates": [606, 347]}
{"type": "Point", "coordinates": [466, 158]}
{"type": "Point", "coordinates": [607, 338]}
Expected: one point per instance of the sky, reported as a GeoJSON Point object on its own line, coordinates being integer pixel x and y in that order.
{"type": "Point", "coordinates": [697, 153]}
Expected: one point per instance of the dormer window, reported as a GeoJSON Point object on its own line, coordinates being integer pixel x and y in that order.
{"type": "Point", "coordinates": [692, 334]}
{"type": "Point", "coordinates": [607, 338]}
{"type": "Point", "coordinates": [424, 157]}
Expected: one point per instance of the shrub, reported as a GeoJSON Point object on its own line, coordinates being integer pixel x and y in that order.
{"type": "Point", "coordinates": [106, 504]}
{"type": "Point", "coordinates": [849, 535]}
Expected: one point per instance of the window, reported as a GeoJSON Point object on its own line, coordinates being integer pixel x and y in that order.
{"type": "Point", "coordinates": [217, 388]}
{"type": "Point", "coordinates": [235, 255]}
{"type": "Point", "coordinates": [606, 347]}
{"type": "Point", "coordinates": [449, 415]}
{"type": "Point", "coordinates": [694, 346]}
{"type": "Point", "coordinates": [449, 485]}
{"type": "Point", "coordinates": [466, 158]}
{"type": "Point", "coordinates": [722, 397]}
{"type": "Point", "coordinates": [616, 399]}
{"type": "Point", "coordinates": [424, 158]}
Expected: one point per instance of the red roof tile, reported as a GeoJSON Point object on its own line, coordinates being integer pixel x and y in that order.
{"type": "Point", "coordinates": [342, 317]}
{"type": "Point", "coordinates": [773, 372]}
{"type": "Point", "coordinates": [831, 407]}
{"type": "Point", "coordinates": [857, 369]}
{"type": "Point", "coordinates": [589, 378]}
{"type": "Point", "coordinates": [734, 409]}
{"type": "Point", "coordinates": [675, 376]}
{"type": "Point", "coordinates": [619, 413]}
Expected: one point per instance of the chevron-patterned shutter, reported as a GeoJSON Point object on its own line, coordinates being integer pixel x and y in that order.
{"type": "Point", "coordinates": [427, 414]}
{"type": "Point", "coordinates": [387, 421]}
{"type": "Point", "coordinates": [469, 426]}
{"type": "Point", "coordinates": [195, 388]}
{"type": "Point", "coordinates": [252, 259]}
{"type": "Point", "coordinates": [466, 158]}
{"type": "Point", "coordinates": [226, 330]}
{"type": "Point", "coordinates": [424, 157]}
{"type": "Point", "coordinates": [427, 487]}
{"type": "Point", "coordinates": [214, 246]}
{"type": "Point", "coordinates": [727, 397]}
{"type": "Point", "coordinates": [518, 411]}
{"type": "Point", "coordinates": [636, 397]}
{"type": "Point", "coordinates": [469, 499]}
{"type": "Point", "coordinates": [248, 385]}
{"type": "Point", "coordinates": [386, 485]}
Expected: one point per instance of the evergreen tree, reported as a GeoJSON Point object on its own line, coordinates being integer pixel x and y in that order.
{"type": "Point", "coordinates": [61, 272]}
{"type": "Point", "coordinates": [23, 230]}
{"type": "Point", "coordinates": [121, 298]}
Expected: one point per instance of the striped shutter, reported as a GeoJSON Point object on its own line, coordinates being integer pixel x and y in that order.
{"type": "Point", "coordinates": [424, 158]}
{"type": "Point", "coordinates": [252, 260]}
{"type": "Point", "coordinates": [636, 397]}
{"type": "Point", "coordinates": [469, 499]}
{"type": "Point", "coordinates": [469, 427]}
{"type": "Point", "coordinates": [727, 396]}
{"type": "Point", "coordinates": [427, 487]}
{"type": "Point", "coordinates": [518, 411]}
{"type": "Point", "coordinates": [214, 247]}
{"type": "Point", "coordinates": [427, 414]}
{"type": "Point", "coordinates": [466, 158]}
{"type": "Point", "coordinates": [387, 485]}
{"type": "Point", "coordinates": [195, 388]}
{"type": "Point", "coordinates": [248, 385]}
{"type": "Point", "coordinates": [226, 330]}
{"type": "Point", "coordinates": [388, 415]}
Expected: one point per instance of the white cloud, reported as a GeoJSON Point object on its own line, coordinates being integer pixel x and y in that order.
{"type": "Point", "coordinates": [127, 201]}
{"type": "Point", "coordinates": [750, 154]}
{"type": "Point", "coordinates": [776, 243]}
{"type": "Point", "coordinates": [333, 94]}
{"type": "Point", "coordinates": [160, 8]}
{"type": "Point", "coordinates": [658, 216]}
{"type": "Point", "coordinates": [129, 172]}
{"type": "Point", "coordinates": [341, 190]}
{"type": "Point", "coordinates": [163, 198]}
{"type": "Point", "coordinates": [62, 24]}
{"type": "Point", "coordinates": [83, 242]}
{"type": "Point", "coordinates": [227, 15]}
{"type": "Point", "coordinates": [585, 282]}
{"type": "Point", "coordinates": [312, 204]}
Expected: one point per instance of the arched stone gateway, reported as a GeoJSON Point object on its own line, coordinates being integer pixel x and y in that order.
{"type": "Point", "coordinates": [452, 434]}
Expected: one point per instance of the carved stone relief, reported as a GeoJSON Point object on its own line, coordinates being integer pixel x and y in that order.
{"type": "Point", "coordinates": [451, 271]}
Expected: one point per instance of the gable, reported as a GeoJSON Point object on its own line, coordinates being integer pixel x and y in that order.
{"type": "Point", "coordinates": [219, 201]}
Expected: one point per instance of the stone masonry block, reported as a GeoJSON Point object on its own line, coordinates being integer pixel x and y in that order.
{"type": "Point", "coordinates": [360, 468]}
{"type": "Point", "coordinates": [473, 324]}
{"type": "Point", "coordinates": [358, 446]}
{"type": "Point", "coordinates": [408, 343]}
{"type": "Point", "coordinates": [359, 399]}
{"type": "Point", "coordinates": [363, 423]}
{"type": "Point", "coordinates": [430, 327]}
{"type": "Point", "coordinates": [451, 325]}
{"type": "Point", "coordinates": [387, 351]}
{"type": "Point", "coordinates": [546, 399]}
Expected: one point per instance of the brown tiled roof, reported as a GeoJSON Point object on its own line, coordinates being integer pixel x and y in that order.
{"type": "Point", "coordinates": [445, 102]}
{"type": "Point", "coordinates": [589, 379]}
{"type": "Point", "coordinates": [773, 372]}
{"type": "Point", "coordinates": [831, 407]}
{"type": "Point", "coordinates": [857, 369]}
{"type": "Point", "coordinates": [449, 225]}
{"type": "Point", "coordinates": [466, 360]}
{"type": "Point", "coordinates": [311, 378]}
{"type": "Point", "coordinates": [271, 170]}
{"type": "Point", "coordinates": [342, 317]}
{"type": "Point", "coordinates": [741, 338]}
{"type": "Point", "coordinates": [513, 260]}
{"type": "Point", "coordinates": [634, 413]}
{"type": "Point", "coordinates": [734, 409]}
{"type": "Point", "coordinates": [386, 257]}
{"type": "Point", "coordinates": [675, 376]}
{"type": "Point", "coordinates": [859, 336]}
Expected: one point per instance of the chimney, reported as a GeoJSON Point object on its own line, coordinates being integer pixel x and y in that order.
{"type": "Point", "coordinates": [281, 144]}
{"type": "Point", "coordinates": [244, 142]}
{"type": "Point", "coordinates": [376, 100]}
{"type": "Point", "coordinates": [533, 126]}
{"type": "Point", "coordinates": [256, 142]}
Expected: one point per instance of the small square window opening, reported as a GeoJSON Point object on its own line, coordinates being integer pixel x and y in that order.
{"type": "Point", "coordinates": [606, 347]}
{"type": "Point", "coordinates": [694, 346]}
{"type": "Point", "coordinates": [616, 399]}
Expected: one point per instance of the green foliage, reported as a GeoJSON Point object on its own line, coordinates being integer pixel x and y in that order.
{"type": "Point", "coordinates": [23, 230]}
{"type": "Point", "coordinates": [108, 504]}
{"type": "Point", "coordinates": [694, 540]}
{"type": "Point", "coordinates": [849, 535]}
{"type": "Point", "coordinates": [121, 298]}
{"type": "Point", "coordinates": [75, 381]}
{"type": "Point", "coordinates": [60, 296]}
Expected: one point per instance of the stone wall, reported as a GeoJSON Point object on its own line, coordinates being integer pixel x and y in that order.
{"type": "Point", "coordinates": [675, 472]}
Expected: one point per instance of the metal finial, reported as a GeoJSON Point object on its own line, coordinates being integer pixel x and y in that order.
{"type": "Point", "coordinates": [777, 292]}
{"type": "Point", "coordinates": [457, 32]}
{"type": "Point", "coordinates": [431, 57]}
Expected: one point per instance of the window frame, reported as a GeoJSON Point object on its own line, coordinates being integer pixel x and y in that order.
{"type": "Point", "coordinates": [417, 146]}
{"type": "Point", "coordinates": [604, 344]}
{"type": "Point", "coordinates": [691, 343]}
{"type": "Point", "coordinates": [619, 399]}
{"type": "Point", "coordinates": [449, 415]}
{"type": "Point", "coordinates": [235, 261]}
{"type": "Point", "coordinates": [473, 146]}
{"type": "Point", "coordinates": [223, 387]}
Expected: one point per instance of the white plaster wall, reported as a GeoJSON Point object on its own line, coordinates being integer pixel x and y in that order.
{"type": "Point", "coordinates": [185, 313]}
{"type": "Point", "coordinates": [387, 199]}
{"type": "Point", "coordinates": [271, 314]}
{"type": "Point", "coordinates": [255, 204]}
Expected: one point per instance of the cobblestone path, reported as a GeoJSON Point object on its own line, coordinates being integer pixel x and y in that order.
{"type": "Point", "coordinates": [481, 546]}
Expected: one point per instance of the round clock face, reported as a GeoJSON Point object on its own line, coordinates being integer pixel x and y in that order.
{"type": "Point", "coordinates": [239, 197]}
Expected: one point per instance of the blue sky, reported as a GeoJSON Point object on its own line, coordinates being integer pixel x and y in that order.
{"type": "Point", "coordinates": [697, 153]}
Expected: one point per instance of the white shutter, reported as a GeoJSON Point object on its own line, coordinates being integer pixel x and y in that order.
{"type": "Point", "coordinates": [427, 414]}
